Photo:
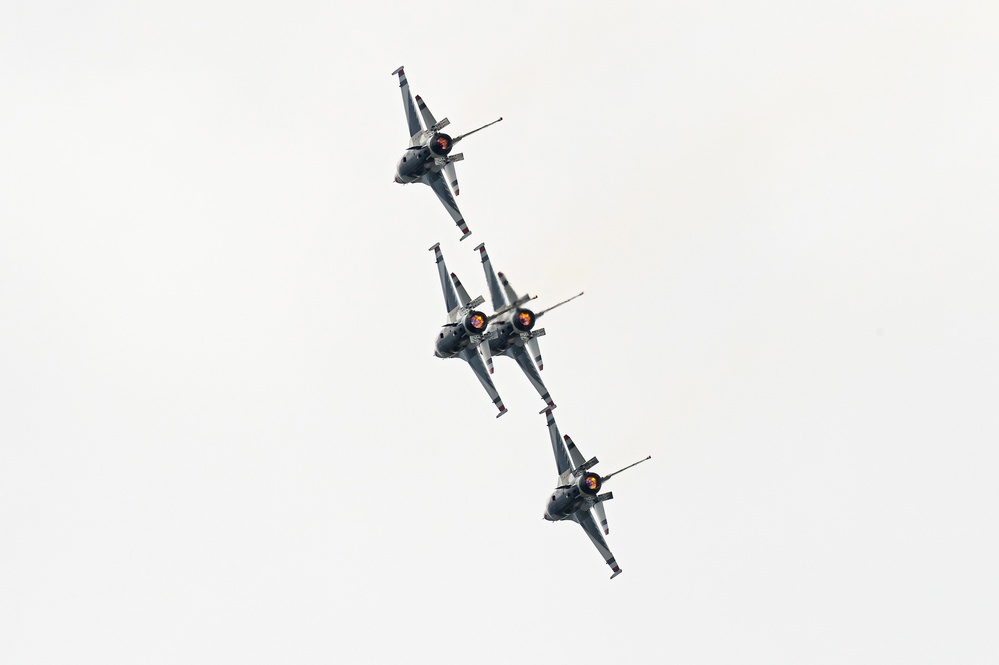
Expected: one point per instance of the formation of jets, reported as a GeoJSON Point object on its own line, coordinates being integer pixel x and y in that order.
{"type": "Point", "coordinates": [510, 330]}
{"type": "Point", "coordinates": [429, 153]}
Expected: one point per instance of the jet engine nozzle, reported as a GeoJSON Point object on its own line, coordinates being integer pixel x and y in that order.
{"type": "Point", "coordinates": [441, 144]}
{"type": "Point", "coordinates": [474, 322]}
{"type": "Point", "coordinates": [589, 483]}
{"type": "Point", "coordinates": [524, 319]}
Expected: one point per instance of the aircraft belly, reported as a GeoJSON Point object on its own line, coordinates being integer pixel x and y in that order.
{"type": "Point", "coordinates": [412, 169]}
{"type": "Point", "coordinates": [450, 346]}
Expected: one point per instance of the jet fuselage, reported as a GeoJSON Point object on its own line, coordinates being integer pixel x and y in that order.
{"type": "Point", "coordinates": [455, 337]}
{"type": "Point", "coordinates": [451, 340]}
{"type": "Point", "coordinates": [422, 158]}
{"type": "Point", "coordinates": [568, 499]}
{"type": "Point", "coordinates": [511, 330]}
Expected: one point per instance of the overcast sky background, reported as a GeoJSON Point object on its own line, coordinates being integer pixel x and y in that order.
{"type": "Point", "coordinates": [224, 437]}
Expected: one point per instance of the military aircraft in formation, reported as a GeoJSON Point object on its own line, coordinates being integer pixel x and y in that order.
{"type": "Point", "coordinates": [472, 335]}
{"type": "Point", "coordinates": [514, 328]}
{"type": "Point", "coordinates": [577, 496]}
{"type": "Point", "coordinates": [429, 153]}
{"type": "Point", "coordinates": [465, 331]}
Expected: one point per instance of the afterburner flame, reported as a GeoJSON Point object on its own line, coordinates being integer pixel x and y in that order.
{"type": "Point", "coordinates": [591, 482]}
{"type": "Point", "coordinates": [443, 143]}
{"type": "Point", "coordinates": [525, 319]}
{"type": "Point", "coordinates": [477, 321]}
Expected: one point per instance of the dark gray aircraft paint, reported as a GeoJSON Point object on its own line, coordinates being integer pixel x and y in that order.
{"type": "Point", "coordinates": [465, 330]}
{"type": "Point", "coordinates": [577, 496]}
{"type": "Point", "coordinates": [429, 153]}
{"type": "Point", "coordinates": [514, 325]}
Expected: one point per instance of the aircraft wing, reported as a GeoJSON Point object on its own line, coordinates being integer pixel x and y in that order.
{"type": "Point", "coordinates": [585, 519]}
{"type": "Point", "coordinates": [412, 119]}
{"type": "Point", "coordinates": [561, 456]}
{"type": "Point", "coordinates": [443, 192]}
{"type": "Point", "coordinates": [520, 355]}
{"type": "Point", "coordinates": [450, 300]}
{"type": "Point", "coordinates": [471, 356]}
{"type": "Point", "coordinates": [494, 287]}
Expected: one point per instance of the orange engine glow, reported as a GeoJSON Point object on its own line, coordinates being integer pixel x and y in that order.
{"type": "Point", "coordinates": [591, 482]}
{"type": "Point", "coordinates": [443, 143]}
{"type": "Point", "coordinates": [477, 321]}
{"type": "Point", "coordinates": [525, 319]}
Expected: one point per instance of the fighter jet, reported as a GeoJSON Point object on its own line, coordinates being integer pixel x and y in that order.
{"type": "Point", "coordinates": [514, 328]}
{"type": "Point", "coordinates": [465, 331]}
{"type": "Point", "coordinates": [429, 153]}
{"type": "Point", "coordinates": [577, 496]}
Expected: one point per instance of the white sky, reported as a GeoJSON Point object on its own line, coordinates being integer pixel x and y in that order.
{"type": "Point", "coordinates": [223, 436]}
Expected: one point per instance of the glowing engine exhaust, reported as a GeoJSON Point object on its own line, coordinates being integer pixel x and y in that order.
{"type": "Point", "coordinates": [589, 483]}
{"type": "Point", "coordinates": [474, 322]}
{"type": "Point", "coordinates": [524, 320]}
{"type": "Point", "coordinates": [441, 144]}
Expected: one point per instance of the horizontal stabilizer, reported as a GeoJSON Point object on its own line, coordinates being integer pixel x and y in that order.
{"type": "Point", "coordinates": [593, 461]}
{"type": "Point", "coordinates": [476, 340]}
